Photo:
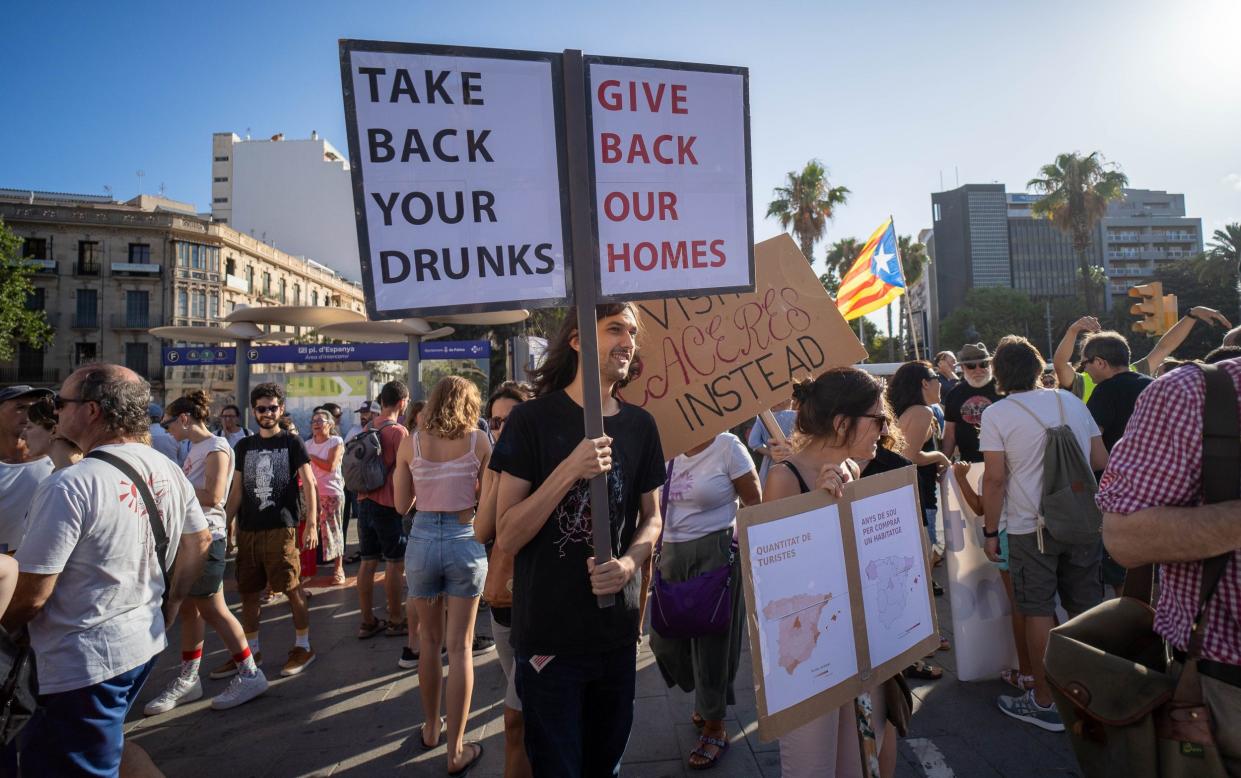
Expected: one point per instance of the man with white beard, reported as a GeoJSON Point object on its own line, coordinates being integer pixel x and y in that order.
{"type": "Point", "coordinates": [964, 405]}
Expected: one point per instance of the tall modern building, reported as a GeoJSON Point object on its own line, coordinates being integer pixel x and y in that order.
{"type": "Point", "coordinates": [107, 272]}
{"type": "Point", "coordinates": [985, 236]}
{"type": "Point", "coordinates": [296, 195]}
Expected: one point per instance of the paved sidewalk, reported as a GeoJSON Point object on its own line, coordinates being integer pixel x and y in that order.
{"type": "Point", "coordinates": [353, 712]}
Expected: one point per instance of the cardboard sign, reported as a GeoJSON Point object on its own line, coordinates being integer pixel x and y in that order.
{"type": "Point", "coordinates": [671, 178]}
{"type": "Point", "coordinates": [838, 595]}
{"type": "Point", "coordinates": [458, 177]}
{"type": "Point", "coordinates": [709, 363]}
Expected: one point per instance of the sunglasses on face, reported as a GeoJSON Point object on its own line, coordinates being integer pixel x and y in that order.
{"type": "Point", "coordinates": [59, 402]}
{"type": "Point", "coordinates": [879, 418]}
{"type": "Point", "coordinates": [266, 409]}
{"type": "Point", "coordinates": [976, 365]}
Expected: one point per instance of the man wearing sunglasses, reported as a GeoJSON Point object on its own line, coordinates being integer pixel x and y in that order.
{"type": "Point", "coordinates": [91, 586]}
{"type": "Point", "coordinates": [273, 488]}
{"type": "Point", "coordinates": [964, 405]}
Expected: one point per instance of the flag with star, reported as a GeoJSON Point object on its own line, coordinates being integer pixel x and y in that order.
{"type": "Point", "coordinates": [875, 279]}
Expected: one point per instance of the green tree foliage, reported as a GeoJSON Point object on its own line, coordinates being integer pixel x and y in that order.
{"type": "Point", "coordinates": [18, 323]}
{"type": "Point", "coordinates": [805, 204]}
{"type": "Point", "coordinates": [989, 314]}
{"type": "Point", "coordinates": [1076, 190]}
{"type": "Point", "coordinates": [840, 255]}
{"type": "Point", "coordinates": [1225, 245]}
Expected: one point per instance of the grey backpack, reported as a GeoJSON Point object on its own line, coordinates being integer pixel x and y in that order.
{"type": "Point", "coordinates": [363, 463]}
{"type": "Point", "coordinates": [1067, 507]}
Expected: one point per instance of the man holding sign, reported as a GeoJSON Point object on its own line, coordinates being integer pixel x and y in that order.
{"type": "Point", "coordinates": [567, 649]}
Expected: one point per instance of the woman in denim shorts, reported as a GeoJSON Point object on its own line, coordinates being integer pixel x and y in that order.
{"type": "Point", "coordinates": [438, 468]}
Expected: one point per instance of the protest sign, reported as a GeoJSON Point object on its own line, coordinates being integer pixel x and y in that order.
{"type": "Point", "coordinates": [981, 613]}
{"type": "Point", "coordinates": [670, 171]}
{"type": "Point", "coordinates": [838, 595]}
{"type": "Point", "coordinates": [709, 363]}
{"type": "Point", "coordinates": [458, 177]}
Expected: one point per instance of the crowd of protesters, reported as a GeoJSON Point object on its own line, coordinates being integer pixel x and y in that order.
{"type": "Point", "coordinates": [489, 500]}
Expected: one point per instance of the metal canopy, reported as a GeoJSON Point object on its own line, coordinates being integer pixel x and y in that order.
{"type": "Point", "coordinates": [492, 319]}
{"type": "Point", "coordinates": [295, 315]}
{"type": "Point", "coordinates": [383, 331]}
{"type": "Point", "coordinates": [210, 334]}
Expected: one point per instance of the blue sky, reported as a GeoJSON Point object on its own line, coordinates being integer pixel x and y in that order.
{"type": "Point", "coordinates": [889, 95]}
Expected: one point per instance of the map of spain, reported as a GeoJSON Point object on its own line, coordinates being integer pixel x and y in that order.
{"type": "Point", "coordinates": [797, 618]}
{"type": "Point", "coordinates": [891, 577]}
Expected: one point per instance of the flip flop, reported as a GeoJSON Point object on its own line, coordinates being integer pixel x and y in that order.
{"type": "Point", "coordinates": [367, 631]}
{"type": "Point", "coordinates": [422, 741]}
{"type": "Point", "coordinates": [707, 740]}
{"type": "Point", "coordinates": [469, 765]}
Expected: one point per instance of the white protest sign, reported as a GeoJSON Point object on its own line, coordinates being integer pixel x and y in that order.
{"type": "Point", "coordinates": [671, 173]}
{"type": "Point", "coordinates": [458, 177]}
{"type": "Point", "coordinates": [802, 609]}
{"type": "Point", "coordinates": [888, 533]}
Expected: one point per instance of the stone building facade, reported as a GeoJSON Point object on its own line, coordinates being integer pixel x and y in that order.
{"type": "Point", "coordinates": [110, 271]}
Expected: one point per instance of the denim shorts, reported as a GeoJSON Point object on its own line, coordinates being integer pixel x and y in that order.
{"type": "Point", "coordinates": [379, 532]}
{"type": "Point", "coordinates": [442, 557]}
{"type": "Point", "coordinates": [212, 576]}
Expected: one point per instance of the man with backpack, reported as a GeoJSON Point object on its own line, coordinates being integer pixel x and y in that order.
{"type": "Point", "coordinates": [1152, 500]}
{"type": "Point", "coordinates": [1039, 449]}
{"type": "Point", "coordinates": [370, 458]}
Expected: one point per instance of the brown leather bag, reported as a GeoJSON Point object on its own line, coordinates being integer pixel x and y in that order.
{"type": "Point", "coordinates": [1128, 712]}
{"type": "Point", "coordinates": [498, 587]}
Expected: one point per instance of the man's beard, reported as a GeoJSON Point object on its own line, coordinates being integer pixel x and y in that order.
{"type": "Point", "coordinates": [976, 381]}
{"type": "Point", "coordinates": [268, 423]}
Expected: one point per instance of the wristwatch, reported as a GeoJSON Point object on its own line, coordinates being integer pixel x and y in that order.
{"type": "Point", "coordinates": [987, 534]}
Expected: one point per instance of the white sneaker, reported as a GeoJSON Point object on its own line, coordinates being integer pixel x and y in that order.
{"type": "Point", "coordinates": [179, 691]}
{"type": "Point", "coordinates": [240, 690]}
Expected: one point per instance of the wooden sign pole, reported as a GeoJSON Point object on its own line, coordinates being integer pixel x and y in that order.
{"type": "Point", "coordinates": [585, 290]}
{"type": "Point", "coordinates": [773, 427]}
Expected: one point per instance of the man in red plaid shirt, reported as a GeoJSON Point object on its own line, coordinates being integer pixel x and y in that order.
{"type": "Point", "coordinates": [1151, 496]}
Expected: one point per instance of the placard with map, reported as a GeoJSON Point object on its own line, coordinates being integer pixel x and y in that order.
{"type": "Point", "coordinates": [838, 595]}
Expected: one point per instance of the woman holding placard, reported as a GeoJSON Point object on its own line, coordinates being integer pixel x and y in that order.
{"type": "Point", "coordinates": [840, 418]}
{"type": "Point", "coordinates": [700, 500]}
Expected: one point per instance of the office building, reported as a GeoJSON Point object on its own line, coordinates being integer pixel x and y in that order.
{"type": "Point", "coordinates": [985, 236]}
{"type": "Point", "coordinates": [109, 271]}
{"type": "Point", "coordinates": [296, 195]}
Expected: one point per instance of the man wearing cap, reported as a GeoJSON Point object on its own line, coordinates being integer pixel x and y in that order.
{"type": "Point", "coordinates": [366, 412]}
{"type": "Point", "coordinates": [964, 405]}
{"type": "Point", "coordinates": [18, 477]}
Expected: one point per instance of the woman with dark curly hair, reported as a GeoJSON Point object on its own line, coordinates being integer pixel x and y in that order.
{"type": "Point", "coordinates": [911, 392]}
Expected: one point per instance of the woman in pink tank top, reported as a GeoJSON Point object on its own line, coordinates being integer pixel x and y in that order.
{"type": "Point", "coordinates": [437, 471]}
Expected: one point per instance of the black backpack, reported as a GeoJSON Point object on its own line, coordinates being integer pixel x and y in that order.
{"type": "Point", "coordinates": [363, 463]}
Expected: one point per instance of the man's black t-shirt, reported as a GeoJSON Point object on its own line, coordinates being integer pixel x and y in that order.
{"type": "Point", "coordinates": [554, 611]}
{"type": "Point", "coordinates": [270, 497]}
{"type": "Point", "coordinates": [1111, 404]}
{"type": "Point", "coordinates": [963, 407]}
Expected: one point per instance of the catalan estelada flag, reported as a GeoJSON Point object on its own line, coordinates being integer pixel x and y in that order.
{"type": "Point", "coordinates": [875, 279]}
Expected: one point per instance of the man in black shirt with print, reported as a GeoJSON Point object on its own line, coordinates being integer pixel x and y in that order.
{"type": "Point", "coordinates": [963, 406]}
{"type": "Point", "coordinates": [575, 662]}
{"type": "Point", "coordinates": [273, 488]}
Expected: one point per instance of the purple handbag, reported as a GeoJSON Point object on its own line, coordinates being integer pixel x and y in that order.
{"type": "Point", "coordinates": [694, 608]}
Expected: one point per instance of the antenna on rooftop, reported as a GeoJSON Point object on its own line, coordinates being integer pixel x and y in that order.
{"type": "Point", "coordinates": [107, 190]}
{"type": "Point", "coordinates": [140, 175]}
{"type": "Point", "coordinates": [161, 188]}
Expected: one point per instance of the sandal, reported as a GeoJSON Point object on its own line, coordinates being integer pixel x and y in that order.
{"type": "Point", "coordinates": [338, 580]}
{"type": "Point", "coordinates": [371, 630]}
{"type": "Point", "coordinates": [698, 721]}
{"type": "Point", "coordinates": [470, 764]}
{"type": "Point", "coordinates": [709, 760]}
{"type": "Point", "coordinates": [923, 672]}
{"type": "Point", "coordinates": [397, 629]}
{"type": "Point", "coordinates": [1016, 679]}
{"type": "Point", "coordinates": [422, 739]}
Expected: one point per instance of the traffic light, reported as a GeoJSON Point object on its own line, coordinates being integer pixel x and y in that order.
{"type": "Point", "coordinates": [1151, 308]}
{"type": "Point", "coordinates": [1170, 315]}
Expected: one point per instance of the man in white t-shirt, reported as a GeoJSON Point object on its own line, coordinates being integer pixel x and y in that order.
{"type": "Point", "coordinates": [90, 586]}
{"type": "Point", "coordinates": [1012, 440]}
{"type": "Point", "coordinates": [18, 476]}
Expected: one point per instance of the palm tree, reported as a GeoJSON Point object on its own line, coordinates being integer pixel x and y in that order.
{"type": "Point", "coordinates": [1226, 245]}
{"type": "Point", "coordinates": [1076, 190]}
{"type": "Point", "coordinates": [806, 203]}
{"type": "Point", "coordinates": [840, 255]}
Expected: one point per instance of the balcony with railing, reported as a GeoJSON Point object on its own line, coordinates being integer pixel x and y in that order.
{"type": "Point", "coordinates": [83, 320]}
{"type": "Point", "coordinates": [29, 374]}
{"type": "Point", "coordinates": [137, 269]}
{"type": "Point", "coordinates": [137, 320]}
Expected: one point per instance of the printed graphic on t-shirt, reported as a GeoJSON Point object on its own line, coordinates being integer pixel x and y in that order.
{"type": "Point", "coordinates": [131, 498]}
{"type": "Point", "coordinates": [267, 474]}
{"type": "Point", "coordinates": [572, 516]}
{"type": "Point", "coordinates": [682, 486]}
{"type": "Point", "coordinates": [971, 409]}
